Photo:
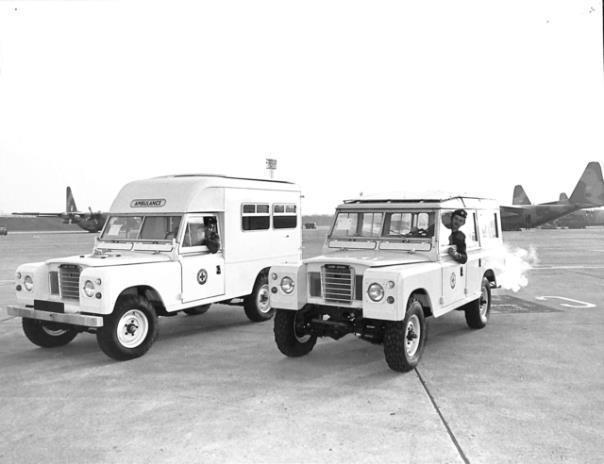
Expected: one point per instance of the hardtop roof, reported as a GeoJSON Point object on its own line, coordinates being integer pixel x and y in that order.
{"type": "Point", "coordinates": [188, 192]}
{"type": "Point", "coordinates": [420, 200]}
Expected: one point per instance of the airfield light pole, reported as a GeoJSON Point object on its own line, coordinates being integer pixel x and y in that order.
{"type": "Point", "coordinates": [271, 166]}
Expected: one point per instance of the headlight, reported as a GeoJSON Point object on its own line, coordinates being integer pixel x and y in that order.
{"type": "Point", "coordinates": [29, 283]}
{"type": "Point", "coordinates": [89, 288]}
{"type": "Point", "coordinates": [375, 292]}
{"type": "Point", "coordinates": [18, 276]}
{"type": "Point", "coordinates": [287, 285]}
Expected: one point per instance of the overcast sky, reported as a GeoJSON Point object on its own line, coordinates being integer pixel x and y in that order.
{"type": "Point", "coordinates": [349, 96]}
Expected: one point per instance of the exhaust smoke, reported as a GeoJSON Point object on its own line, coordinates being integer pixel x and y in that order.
{"type": "Point", "coordinates": [513, 265]}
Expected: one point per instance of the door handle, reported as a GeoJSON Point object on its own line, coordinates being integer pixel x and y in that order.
{"type": "Point", "coordinates": [218, 270]}
{"type": "Point", "coordinates": [461, 271]}
{"type": "Point", "coordinates": [479, 262]}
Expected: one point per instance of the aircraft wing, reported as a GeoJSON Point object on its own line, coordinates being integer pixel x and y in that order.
{"type": "Point", "coordinates": [39, 214]}
{"type": "Point", "coordinates": [507, 211]}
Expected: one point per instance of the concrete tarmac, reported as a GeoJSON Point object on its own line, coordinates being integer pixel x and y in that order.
{"type": "Point", "coordinates": [214, 388]}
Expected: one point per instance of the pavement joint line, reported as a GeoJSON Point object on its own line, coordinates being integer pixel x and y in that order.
{"type": "Point", "coordinates": [442, 418]}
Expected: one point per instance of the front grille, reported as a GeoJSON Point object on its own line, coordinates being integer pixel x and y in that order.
{"type": "Point", "coordinates": [337, 281]}
{"type": "Point", "coordinates": [70, 281]}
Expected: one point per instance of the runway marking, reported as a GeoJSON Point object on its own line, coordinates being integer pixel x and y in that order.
{"type": "Point", "coordinates": [579, 304]}
{"type": "Point", "coordinates": [569, 266]}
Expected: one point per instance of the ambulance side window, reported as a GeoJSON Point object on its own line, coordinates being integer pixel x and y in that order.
{"type": "Point", "coordinates": [255, 216]}
{"type": "Point", "coordinates": [195, 234]}
{"type": "Point", "coordinates": [284, 216]}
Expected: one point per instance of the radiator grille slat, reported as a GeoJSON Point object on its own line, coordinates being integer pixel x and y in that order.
{"type": "Point", "coordinates": [69, 279]}
{"type": "Point", "coordinates": [337, 283]}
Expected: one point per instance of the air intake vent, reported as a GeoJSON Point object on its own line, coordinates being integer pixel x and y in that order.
{"type": "Point", "coordinates": [70, 281]}
{"type": "Point", "coordinates": [338, 283]}
{"type": "Point", "coordinates": [54, 282]}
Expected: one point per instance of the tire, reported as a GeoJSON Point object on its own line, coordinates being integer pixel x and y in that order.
{"type": "Point", "coordinates": [130, 330]}
{"type": "Point", "coordinates": [47, 334]}
{"type": "Point", "coordinates": [257, 305]}
{"type": "Point", "coordinates": [477, 312]}
{"type": "Point", "coordinates": [288, 341]}
{"type": "Point", "coordinates": [403, 345]}
{"type": "Point", "coordinates": [197, 310]}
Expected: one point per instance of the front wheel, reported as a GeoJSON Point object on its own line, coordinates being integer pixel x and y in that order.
{"type": "Point", "coordinates": [47, 334]}
{"type": "Point", "coordinates": [477, 312]}
{"type": "Point", "coordinates": [130, 330]}
{"type": "Point", "coordinates": [290, 341]}
{"type": "Point", "coordinates": [404, 340]}
{"type": "Point", "coordinates": [257, 306]}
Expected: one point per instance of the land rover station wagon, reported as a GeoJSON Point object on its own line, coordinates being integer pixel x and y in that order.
{"type": "Point", "coordinates": [386, 267]}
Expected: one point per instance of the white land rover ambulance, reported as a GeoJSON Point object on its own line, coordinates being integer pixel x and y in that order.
{"type": "Point", "coordinates": [173, 243]}
{"type": "Point", "coordinates": [385, 268]}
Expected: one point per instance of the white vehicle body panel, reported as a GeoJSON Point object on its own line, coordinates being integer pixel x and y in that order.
{"type": "Point", "coordinates": [169, 270]}
{"type": "Point", "coordinates": [402, 267]}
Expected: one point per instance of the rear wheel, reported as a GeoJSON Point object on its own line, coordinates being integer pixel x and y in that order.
{"type": "Point", "coordinates": [404, 340]}
{"type": "Point", "coordinates": [47, 334]}
{"type": "Point", "coordinates": [130, 330]}
{"type": "Point", "coordinates": [257, 306]}
{"type": "Point", "coordinates": [290, 340]}
{"type": "Point", "coordinates": [477, 312]}
{"type": "Point", "coordinates": [197, 310]}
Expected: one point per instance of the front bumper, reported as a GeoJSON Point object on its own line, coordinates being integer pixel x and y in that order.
{"type": "Point", "coordinates": [64, 318]}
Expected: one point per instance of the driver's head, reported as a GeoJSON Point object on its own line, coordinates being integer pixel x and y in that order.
{"type": "Point", "coordinates": [458, 218]}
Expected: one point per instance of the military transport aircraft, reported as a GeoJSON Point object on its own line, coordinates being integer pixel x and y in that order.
{"type": "Point", "coordinates": [92, 222]}
{"type": "Point", "coordinates": [589, 193]}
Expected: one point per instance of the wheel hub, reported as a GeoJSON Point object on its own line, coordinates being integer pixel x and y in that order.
{"type": "Point", "coordinates": [412, 333]}
{"type": "Point", "coordinates": [132, 329]}
{"type": "Point", "coordinates": [263, 300]}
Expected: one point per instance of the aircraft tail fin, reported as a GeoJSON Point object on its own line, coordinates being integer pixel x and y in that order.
{"type": "Point", "coordinates": [589, 192]}
{"type": "Point", "coordinates": [563, 197]}
{"type": "Point", "coordinates": [70, 204]}
{"type": "Point", "coordinates": [520, 196]}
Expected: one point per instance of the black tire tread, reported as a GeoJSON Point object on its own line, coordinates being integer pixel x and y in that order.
{"type": "Point", "coordinates": [32, 328]}
{"type": "Point", "coordinates": [394, 340]}
{"type": "Point", "coordinates": [105, 335]}
{"type": "Point", "coordinates": [249, 302]}
{"type": "Point", "coordinates": [285, 337]}
{"type": "Point", "coordinates": [472, 311]}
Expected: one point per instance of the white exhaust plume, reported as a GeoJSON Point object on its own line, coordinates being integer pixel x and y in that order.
{"type": "Point", "coordinates": [513, 265]}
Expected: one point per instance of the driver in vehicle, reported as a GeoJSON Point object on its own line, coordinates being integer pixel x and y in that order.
{"type": "Point", "coordinates": [457, 239]}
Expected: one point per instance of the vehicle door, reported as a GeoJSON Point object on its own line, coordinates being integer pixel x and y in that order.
{"type": "Point", "coordinates": [475, 256]}
{"type": "Point", "coordinates": [202, 271]}
{"type": "Point", "coordinates": [454, 274]}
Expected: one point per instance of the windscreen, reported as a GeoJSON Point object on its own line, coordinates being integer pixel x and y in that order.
{"type": "Point", "coordinates": [409, 224]}
{"type": "Point", "coordinates": [350, 225]}
{"type": "Point", "coordinates": [376, 224]}
{"type": "Point", "coordinates": [152, 228]}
